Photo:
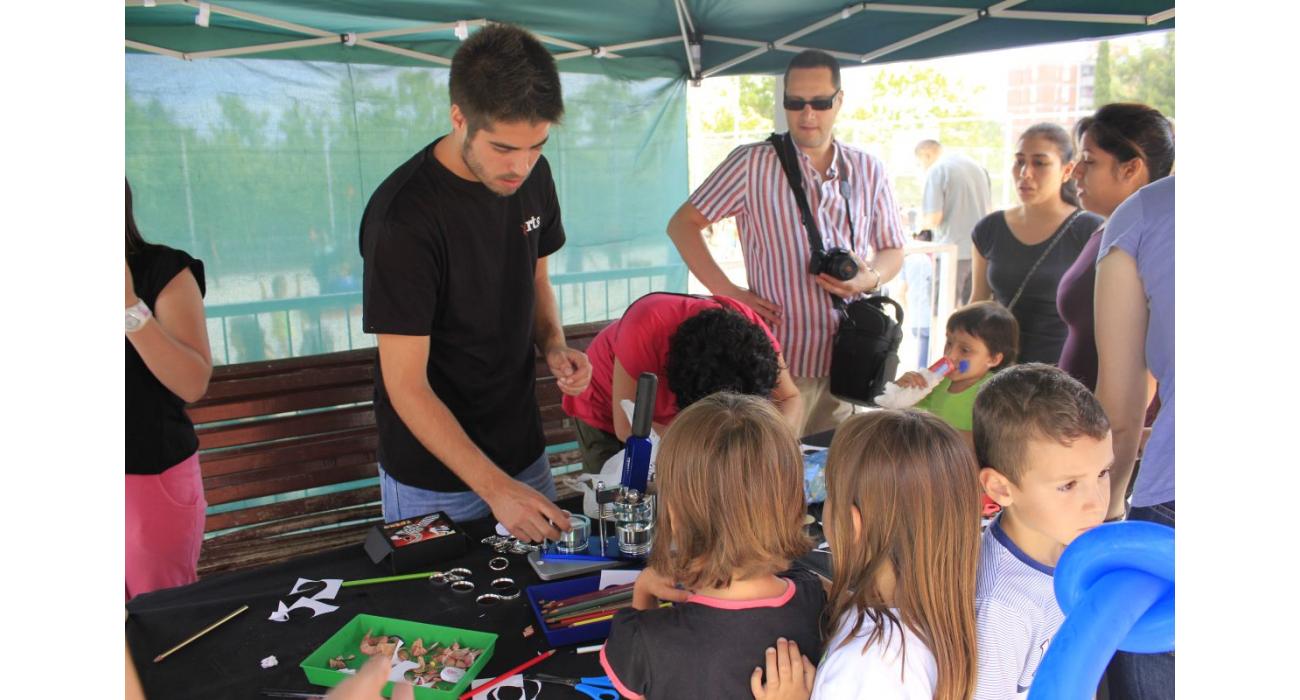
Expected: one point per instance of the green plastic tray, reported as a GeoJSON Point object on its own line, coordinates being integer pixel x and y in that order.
{"type": "Point", "coordinates": [348, 640]}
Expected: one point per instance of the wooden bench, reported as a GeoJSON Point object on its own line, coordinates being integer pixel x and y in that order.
{"type": "Point", "coordinates": [288, 450]}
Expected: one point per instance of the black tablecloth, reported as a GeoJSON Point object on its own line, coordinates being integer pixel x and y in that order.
{"type": "Point", "coordinates": [225, 663]}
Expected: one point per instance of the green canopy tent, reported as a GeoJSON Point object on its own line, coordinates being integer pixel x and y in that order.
{"type": "Point", "coordinates": [260, 163]}
{"type": "Point", "coordinates": [690, 38]}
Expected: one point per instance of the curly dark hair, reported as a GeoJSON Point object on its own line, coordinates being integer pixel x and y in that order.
{"type": "Point", "coordinates": [720, 350]}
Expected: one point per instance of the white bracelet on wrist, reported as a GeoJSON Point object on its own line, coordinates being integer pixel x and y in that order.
{"type": "Point", "coordinates": [137, 315]}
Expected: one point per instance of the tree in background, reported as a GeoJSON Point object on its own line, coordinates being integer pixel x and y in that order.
{"type": "Point", "coordinates": [1102, 80]}
{"type": "Point", "coordinates": [1145, 75]}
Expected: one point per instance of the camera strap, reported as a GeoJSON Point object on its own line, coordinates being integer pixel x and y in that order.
{"type": "Point", "coordinates": [791, 167]}
{"type": "Point", "coordinates": [786, 155]}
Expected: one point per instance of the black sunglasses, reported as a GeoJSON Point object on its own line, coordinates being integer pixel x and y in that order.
{"type": "Point", "coordinates": [821, 104]}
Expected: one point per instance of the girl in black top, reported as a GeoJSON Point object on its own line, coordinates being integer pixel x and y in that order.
{"type": "Point", "coordinates": [168, 364]}
{"type": "Point", "coordinates": [1020, 253]}
{"type": "Point", "coordinates": [729, 522]}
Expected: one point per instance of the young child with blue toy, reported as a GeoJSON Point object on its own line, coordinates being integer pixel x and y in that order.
{"type": "Point", "coordinates": [1044, 445]}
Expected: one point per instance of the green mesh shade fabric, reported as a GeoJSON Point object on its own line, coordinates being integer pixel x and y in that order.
{"type": "Point", "coordinates": [262, 169]}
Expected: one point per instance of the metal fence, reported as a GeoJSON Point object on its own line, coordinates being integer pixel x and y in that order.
{"type": "Point", "coordinates": [299, 326]}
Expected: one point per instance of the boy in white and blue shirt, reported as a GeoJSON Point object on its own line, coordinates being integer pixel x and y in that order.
{"type": "Point", "coordinates": [1044, 448]}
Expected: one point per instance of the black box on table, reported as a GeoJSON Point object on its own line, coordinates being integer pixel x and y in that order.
{"type": "Point", "coordinates": [416, 543]}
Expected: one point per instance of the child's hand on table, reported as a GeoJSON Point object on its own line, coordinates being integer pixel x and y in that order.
{"type": "Point", "coordinates": [789, 674]}
{"type": "Point", "coordinates": [652, 587]}
{"type": "Point", "coordinates": [911, 380]}
{"type": "Point", "coordinates": [369, 682]}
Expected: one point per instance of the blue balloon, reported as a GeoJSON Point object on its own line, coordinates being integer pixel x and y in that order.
{"type": "Point", "coordinates": [1115, 584]}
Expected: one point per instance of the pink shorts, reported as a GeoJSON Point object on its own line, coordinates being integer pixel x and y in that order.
{"type": "Point", "coordinates": [164, 527]}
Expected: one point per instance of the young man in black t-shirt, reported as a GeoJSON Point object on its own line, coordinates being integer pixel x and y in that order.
{"type": "Point", "coordinates": [456, 287]}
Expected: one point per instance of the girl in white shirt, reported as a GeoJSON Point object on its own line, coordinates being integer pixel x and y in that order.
{"type": "Point", "coordinates": [902, 518]}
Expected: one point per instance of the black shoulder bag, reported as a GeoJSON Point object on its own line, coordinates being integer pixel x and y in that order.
{"type": "Point", "coordinates": [864, 356]}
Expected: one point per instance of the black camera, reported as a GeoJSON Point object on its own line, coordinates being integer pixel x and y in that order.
{"type": "Point", "coordinates": [836, 262]}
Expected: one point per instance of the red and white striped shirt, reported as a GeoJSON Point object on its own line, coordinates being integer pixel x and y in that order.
{"type": "Point", "coordinates": [751, 186]}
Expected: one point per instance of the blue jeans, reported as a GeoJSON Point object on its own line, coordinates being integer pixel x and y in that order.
{"type": "Point", "coordinates": [401, 501]}
{"type": "Point", "coordinates": [922, 336]}
{"type": "Point", "coordinates": [1143, 676]}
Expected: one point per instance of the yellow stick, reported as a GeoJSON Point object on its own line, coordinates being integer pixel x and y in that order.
{"type": "Point", "coordinates": [198, 634]}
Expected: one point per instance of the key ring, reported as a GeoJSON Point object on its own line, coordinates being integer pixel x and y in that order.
{"type": "Point", "coordinates": [506, 588]}
{"type": "Point", "coordinates": [442, 578]}
{"type": "Point", "coordinates": [462, 586]}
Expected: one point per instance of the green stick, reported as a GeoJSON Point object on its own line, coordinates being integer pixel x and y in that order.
{"type": "Point", "coordinates": [387, 579]}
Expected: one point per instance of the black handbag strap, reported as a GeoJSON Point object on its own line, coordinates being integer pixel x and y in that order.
{"type": "Point", "coordinates": [1056, 238]}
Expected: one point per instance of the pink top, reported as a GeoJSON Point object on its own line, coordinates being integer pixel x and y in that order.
{"type": "Point", "coordinates": [640, 342]}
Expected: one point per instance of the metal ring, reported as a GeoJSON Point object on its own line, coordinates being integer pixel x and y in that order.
{"type": "Point", "coordinates": [488, 599]}
{"type": "Point", "coordinates": [506, 588]}
{"type": "Point", "coordinates": [462, 586]}
{"type": "Point", "coordinates": [461, 571]}
{"type": "Point", "coordinates": [498, 563]}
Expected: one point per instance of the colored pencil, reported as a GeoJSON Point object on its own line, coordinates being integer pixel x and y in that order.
{"type": "Point", "coordinates": [587, 596]}
{"type": "Point", "coordinates": [561, 622]}
{"type": "Point", "coordinates": [592, 621]}
{"type": "Point", "coordinates": [198, 634]}
{"type": "Point", "coordinates": [590, 604]}
{"type": "Point", "coordinates": [499, 679]}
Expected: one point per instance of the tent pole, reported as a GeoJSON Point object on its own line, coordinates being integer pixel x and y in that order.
{"type": "Point", "coordinates": [735, 61]}
{"type": "Point", "coordinates": [691, 47]}
{"type": "Point", "coordinates": [421, 29]}
{"type": "Point", "coordinates": [970, 16]}
{"type": "Point", "coordinates": [820, 24]}
{"type": "Point", "coordinates": [794, 48]}
{"type": "Point", "coordinates": [1097, 18]}
{"type": "Point", "coordinates": [914, 9]}
{"type": "Point", "coordinates": [1159, 17]}
{"type": "Point", "coordinates": [259, 19]}
{"type": "Point", "coordinates": [733, 40]}
{"type": "Point", "coordinates": [264, 48]}
{"type": "Point", "coordinates": [418, 55]}
{"type": "Point", "coordinates": [140, 46]}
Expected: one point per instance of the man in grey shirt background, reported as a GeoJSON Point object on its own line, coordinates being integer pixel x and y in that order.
{"type": "Point", "coordinates": [957, 195]}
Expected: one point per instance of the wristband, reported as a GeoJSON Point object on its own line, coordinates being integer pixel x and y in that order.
{"type": "Point", "coordinates": [137, 315]}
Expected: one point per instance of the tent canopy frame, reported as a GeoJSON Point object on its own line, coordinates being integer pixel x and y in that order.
{"type": "Point", "coordinates": [689, 36]}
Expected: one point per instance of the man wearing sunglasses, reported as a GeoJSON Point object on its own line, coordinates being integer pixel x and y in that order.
{"type": "Point", "coordinates": [851, 198]}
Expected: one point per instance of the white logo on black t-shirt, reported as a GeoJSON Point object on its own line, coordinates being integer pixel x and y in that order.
{"type": "Point", "coordinates": [531, 224]}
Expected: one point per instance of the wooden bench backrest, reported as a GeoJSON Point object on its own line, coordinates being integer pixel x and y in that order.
{"type": "Point", "coordinates": [274, 429]}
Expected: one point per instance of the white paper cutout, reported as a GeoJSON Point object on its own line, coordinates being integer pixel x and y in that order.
{"type": "Point", "coordinates": [315, 602]}
{"type": "Point", "coordinates": [515, 681]}
{"type": "Point", "coordinates": [270, 661]}
{"type": "Point", "coordinates": [281, 613]}
{"type": "Point", "coordinates": [317, 607]}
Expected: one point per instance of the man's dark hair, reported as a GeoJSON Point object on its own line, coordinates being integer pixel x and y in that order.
{"type": "Point", "coordinates": [720, 350]}
{"type": "Point", "coordinates": [993, 324]}
{"type": "Point", "coordinates": [1028, 402]}
{"type": "Point", "coordinates": [503, 73]}
{"type": "Point", "coordinates": [812, 58]}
